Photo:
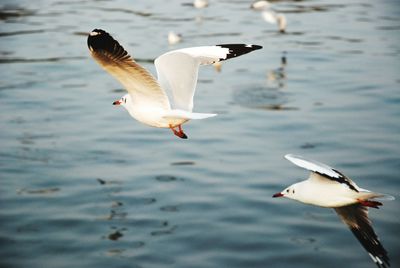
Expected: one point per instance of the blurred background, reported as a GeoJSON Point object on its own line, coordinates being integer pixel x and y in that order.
{"type": "Point", "coordinates": [82, 184]}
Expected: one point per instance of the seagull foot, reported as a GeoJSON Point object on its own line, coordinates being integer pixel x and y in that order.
{"type": "Point", "coordinates": [369, 203]}
{"type": "Point", "coordinates": [179, 132]}
{"type": "Point", "coordinates": [181, 135]}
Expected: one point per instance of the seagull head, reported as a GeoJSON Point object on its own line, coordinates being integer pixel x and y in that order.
{"type": "Point", "coordinates": [126, 99]}
{"type": "Point", "coordinates": [289, 192]}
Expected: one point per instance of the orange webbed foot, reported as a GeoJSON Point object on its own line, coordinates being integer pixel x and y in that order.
{"type": "Point", "coordinates": [178, 132]}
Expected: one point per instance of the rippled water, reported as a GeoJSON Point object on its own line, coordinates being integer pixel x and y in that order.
{"type": "Point", "coordinates": [84, 185]}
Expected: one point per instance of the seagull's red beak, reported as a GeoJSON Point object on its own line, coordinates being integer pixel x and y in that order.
{"type": "Point", "coordinates": [278, 195]}
{"type": "Point", "coordinates": [118, 102]}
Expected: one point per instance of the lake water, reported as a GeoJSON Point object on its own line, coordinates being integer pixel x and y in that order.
{"type": "Point", "coordinates": [84, 185]}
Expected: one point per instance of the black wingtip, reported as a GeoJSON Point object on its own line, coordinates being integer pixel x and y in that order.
{"type": "Point", "coordinates": [236, 50]}
{"type": "Point", "coordinates": [100, 40]}
{"type": "Point", "coordinates": [375, 249]}
{"type": "Point", "coordinates": [97, 39]}
{"type": "Point", "coordinates": [255, 47]}
{"type": "Point", "coordinates": [356, 217]}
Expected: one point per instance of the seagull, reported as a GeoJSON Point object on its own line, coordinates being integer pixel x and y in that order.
{"type": "Point", "coordinates": [269, 15]}
{"type": "Point", "coordinates": [327, 187]}
{"type": "Point", "coordinates": [260, 5]}
{"type": "Point", "coordinates": [174, 38]}
{"type": "Point", "coordinates": [200, 3]}
{"type": "Point", "coordinates": [168, 101]}
{"type": "Point", "coordinates": [273, 17]}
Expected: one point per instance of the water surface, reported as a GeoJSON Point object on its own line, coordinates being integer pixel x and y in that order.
{"type": "Point", "coordinates": [84, 185]}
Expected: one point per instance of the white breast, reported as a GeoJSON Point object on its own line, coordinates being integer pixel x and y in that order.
{"type": "Point", "coordinates": [153, 116]}
{"type": "Point", "coordinates": [325, 195]}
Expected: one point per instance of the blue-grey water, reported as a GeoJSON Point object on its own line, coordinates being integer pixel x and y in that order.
{"type": "Point", "coordinates": [84, 185]}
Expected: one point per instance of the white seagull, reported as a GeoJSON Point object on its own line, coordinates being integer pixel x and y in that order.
{"type": "Point", "coordinates": [174, 38]}
{"type": "Point", "coordinates": [327, 187]}
{"type": "Point", "coordinates": [168, 102]}
{"type": "Point", "coordinates": [269, 15]}
{"type": "Point", "coordinates": [260, 5]}
{"type": "Point", "coordinates": [200, 3]}
{"type": "Point", "coordinates": [272, 17]}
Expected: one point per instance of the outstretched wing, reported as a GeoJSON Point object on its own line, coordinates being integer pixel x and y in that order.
{"type": "Point", "coordinates": [325, 171]}
{"type": "Point", "coordinates": [356, 217]}
{"type": "Point", "coordinates": [115, 60]}
{"type": "Point", "coordinates": [177, 70]}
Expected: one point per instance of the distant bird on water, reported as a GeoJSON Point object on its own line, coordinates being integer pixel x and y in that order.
{"type": "Point", "coordinates": [327, 187]}
{"type": "Point", "coordinates": [269, 15]}
{"type": "Point", "coordinates": [260, 5]}
{"type": "Point", "coordinates": [168, 102]}
{"type": "Point", "coordinates": [275, 18]}
{"type": "Point", "coordinates": [200, 3]}
{"type": "Point", "coordinates": [174, 38]}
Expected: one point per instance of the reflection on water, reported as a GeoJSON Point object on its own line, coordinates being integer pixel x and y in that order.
{"type": "Point", "coordinates": [183, 163]}
{"type": "Point", "coordinates": [277, 78]}
{"type": "Point", "coordinates": [308, 145]}
{"type": "Point", "coordinates": [9, 12]}
{"type": "Point", "coordinates": [166, 231]}
{"type": "Point", "coordinates": [166, 178]}
{"type": "Point", "coordinates": [38, 191]}
{"type": "Point", "coordinates": [103, 181]}
{"type": "Point", "coordinates": [115, 235]}
{"type": "Point", "coordinates": [80, 178]}
{"type": "Point", "coordinates": [24, 60]}
{"type": "Point", "coordinates": [21, 32]}
{"type": "Point", "coordinates": [170, 208]}
{"type": "Point", "coordinates": [270, 96]}
{"type": "Point", "coordinates": [129, 11]}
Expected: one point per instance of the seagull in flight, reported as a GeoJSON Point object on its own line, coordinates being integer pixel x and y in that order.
{"type": "Point", "coordinates": [168, 101]}
{"type": "Point", "coordinates": [327, 187]}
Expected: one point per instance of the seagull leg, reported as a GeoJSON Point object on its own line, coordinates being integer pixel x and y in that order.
{"type": "Point", "coordinates": [181, 133]}
{"type": "Point", "coordinates": [178, 132]}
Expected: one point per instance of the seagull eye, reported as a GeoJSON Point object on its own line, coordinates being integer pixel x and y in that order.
{"type": "Point", "coordinates": [293, 191]}
{"type": "Point", "coordinates": [125, 100]}
{"type": "Point", "coordinates": [287, 190]}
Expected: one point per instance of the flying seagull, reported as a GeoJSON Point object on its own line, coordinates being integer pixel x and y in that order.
{"type": "Point", "coordinates": [168, 101]}
{"type": "Point", "coordinates": [327, 187]}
